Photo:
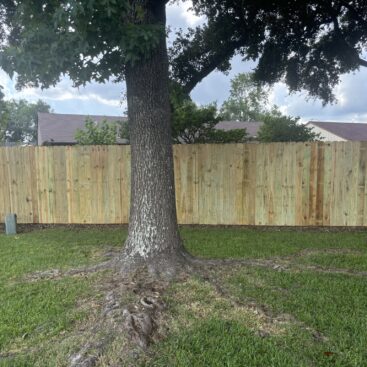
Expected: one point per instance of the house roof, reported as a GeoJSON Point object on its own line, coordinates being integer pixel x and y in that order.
{"type": "Point", "coordinates": [57, 128]}
{"type": "Point", "coordinates": [252, 128]}
{"type": "Point", "coordinates": [346, 130]}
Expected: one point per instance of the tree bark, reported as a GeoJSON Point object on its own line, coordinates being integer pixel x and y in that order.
{"type": "Point", "coordinates": [153, 237]}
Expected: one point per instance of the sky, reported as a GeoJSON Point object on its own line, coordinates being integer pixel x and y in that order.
{"type": "Point", "coordinates": [108, 99]}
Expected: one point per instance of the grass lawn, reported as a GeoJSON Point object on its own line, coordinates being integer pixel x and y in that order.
{"type": "Point", "coordinates": [304, 314]}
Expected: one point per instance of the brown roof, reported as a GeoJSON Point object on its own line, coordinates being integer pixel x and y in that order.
{"type": "Point", "coordinates": [57, 128]}
{"type": "Point", "coordinates": [252, 128]}
{"type": "Point", "coordinates": [346, 130]}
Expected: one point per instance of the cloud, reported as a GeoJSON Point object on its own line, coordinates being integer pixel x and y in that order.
{"type": "Point", "coordinates": [94, 98]}
{"type": "Point", "coordinates": [180, 15]}
{"type": "Point", "coordinates": [351, 102]}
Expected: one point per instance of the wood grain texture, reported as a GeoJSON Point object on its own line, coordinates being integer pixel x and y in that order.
{"type": "Point", "coordinates": [293, 184]}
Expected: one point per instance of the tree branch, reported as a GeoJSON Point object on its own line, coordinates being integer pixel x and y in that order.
{"type": "Point", "coordinates": [354, 13]}
{"type": "Point", "coordinates": [362, 62]}
{"type": "Point", "coordinates": [219, 58]}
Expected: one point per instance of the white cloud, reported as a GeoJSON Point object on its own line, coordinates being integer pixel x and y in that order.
{"type": "Point", "coordinates": [94, 98]}
{"type": "Point", "coordinates": [351, 102]}
{"type": "Point", "coordinates": [180, 15]}
{"type": "Point", "coordinates": [190, 17]}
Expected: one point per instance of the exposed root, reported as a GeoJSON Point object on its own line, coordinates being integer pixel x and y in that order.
{"type": "Point", "coordinates": [315, 251]}
{"type": "Point", "coordinates": [55, 274]}
{"type": "Point", "coordinates": [134, 307]}
{"type": "Point", "coordinates": [286, 263]}
{"type": "Point", "coordinates": [130, 311]}
{"type": "Point", "coordinates": [166, 265]}
{"type": "Point", "coordinates": [321, 269]}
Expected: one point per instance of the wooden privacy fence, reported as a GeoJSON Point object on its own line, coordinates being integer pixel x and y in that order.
{"type": "Point", "coordinates": [295, 184]}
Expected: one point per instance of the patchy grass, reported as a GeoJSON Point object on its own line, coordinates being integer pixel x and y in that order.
{"type": "Point", "coordinates": [32, 313]}
{"type": "Point", "coordinates": [268, 317]}
{"type": "Point", "coordinates": [334, 305]}
{"type": "Point", "coordinates": [54, 248]}
{"type": "Point", "coordinates": [309, 320]}
{"type": "Point", "coordinates": [237, 316]}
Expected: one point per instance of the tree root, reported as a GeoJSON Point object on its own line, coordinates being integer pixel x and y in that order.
{"type": "Point", "coordinates": [138, 320]}
{"type": "Point", "coordinates": [131, 309]}
{"type": "Point", "coordinates": [281, 263]}
{"type": "Point", "coordinates": [55, 274]}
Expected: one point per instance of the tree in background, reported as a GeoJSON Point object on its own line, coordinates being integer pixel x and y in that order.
{"type": "Point", "coordinates": [123, 130]}
{"type": "Point", "coordinates": [247, 101]}
{"type": "Point", "coordinates": [307, 44]}
{"type": "Point", "coordinates": [193, 124]}
{"type": "Point", "coordinates": [104, 133]}
{"type": "Point", "coordinates": [3, 116]}
{"type": "Point", "coordinates": [22, 119]}
{"type": "Point", "coordinates": [282, 128]}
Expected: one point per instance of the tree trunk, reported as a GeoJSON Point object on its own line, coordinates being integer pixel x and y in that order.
{"type": "Point", "coordinates": [153, 238]}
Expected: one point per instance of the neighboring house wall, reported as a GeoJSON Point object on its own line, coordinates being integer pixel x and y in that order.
{"type": "Point", "coordinates": [326, 135]}
{"type": "Point", "coordinates": [60, 129]}
{"type": "Point", "coordinates": [252, 128]}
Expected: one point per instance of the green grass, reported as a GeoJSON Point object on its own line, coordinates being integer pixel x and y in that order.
{"type": "Point", "coordinates": [217, 343]}
{"type": "Point", "coordinates": [354, 261]}
{"type": "Point", "coordinates": [236, 242]}
{"type": "Point", "coordinates": [204, 327]}
{"type": "Point", "coordinates": [54, 248]}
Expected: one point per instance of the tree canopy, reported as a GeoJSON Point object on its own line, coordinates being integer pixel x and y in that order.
{"type": "Point", "coordinates": [87, 40]}
{"type": "Point", "coordinates": [21, 120]}
{"type": "Point", "coordinates": [102, 134]}
{"type": "Point", "coordinates": [193, 124]}
{"type": "Point", "coordinates": [307, 44]}
{"type": "Point", "coordinates": [278, 127]}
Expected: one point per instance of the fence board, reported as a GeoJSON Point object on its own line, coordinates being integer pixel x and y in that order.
{"type": "Point", "coordinates": [242, 184]}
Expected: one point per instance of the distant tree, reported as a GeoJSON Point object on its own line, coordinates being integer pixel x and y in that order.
{"type": "Point", "coordinates": [22, 120]}
{"type": "Point", "coordinates": [193, 124]}
{"type": "Point", "coordinates": [247, 100]}
{"type": "Point", "coordinates": [3, 116]}
{"type": "Point", "coordinates": [123, 130]}
{"type": "Point", "coordinates": [104, 133]}
{"type": "Point", "coordinates": [282, 128]}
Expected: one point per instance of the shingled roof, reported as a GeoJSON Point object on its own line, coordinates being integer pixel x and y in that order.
{"type": "Point", "coordinates": [347, 130]}
{"type": "Point", "coordinates": [60, 129]}
{"type": "Point", "coordinates": [252, 127]}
